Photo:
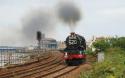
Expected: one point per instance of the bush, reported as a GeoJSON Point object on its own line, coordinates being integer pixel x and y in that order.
{"type": "Point", "coordinates": [89, 52]}
{"type": "Point", "coordinates": [118, 42]}
{"type": "Point", "coordinates": [112, 67]}
{"type": "Point", "coordinates": [101, 44]}
{"type": "Point", "coordinates": [108, 43]}
{"type": "Point", "coordinates": [100, 70]}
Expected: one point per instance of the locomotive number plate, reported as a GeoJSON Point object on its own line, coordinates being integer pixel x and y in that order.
{"type": "Point", "coordinates": [72, 42]}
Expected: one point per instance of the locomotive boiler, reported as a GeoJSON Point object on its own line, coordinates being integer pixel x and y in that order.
{"type": "Point", "coordinates": [74, 53]}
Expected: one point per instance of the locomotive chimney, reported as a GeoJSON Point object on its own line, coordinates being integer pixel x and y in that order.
{"type": "Point", "coordinates": [72, 33]}
{"type": "Point", "coordinates": [39, 39]}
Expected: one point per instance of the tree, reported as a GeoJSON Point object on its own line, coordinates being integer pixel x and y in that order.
{"type": "Point", "coordinates": [101, 44]}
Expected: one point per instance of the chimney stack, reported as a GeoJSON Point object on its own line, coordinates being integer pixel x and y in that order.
{"type": "Point", "coordinates": [39, 37]}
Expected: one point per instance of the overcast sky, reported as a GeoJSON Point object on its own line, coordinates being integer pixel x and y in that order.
{"type": "Point", "coordinates": [99, 18]}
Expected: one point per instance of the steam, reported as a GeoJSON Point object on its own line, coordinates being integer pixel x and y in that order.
{"type": "Point", "coordinates": [44, 21]}
{"type": "Point", "coordinates": [69, 13]}
{"type": "Point", "coordinates": [37, 20]}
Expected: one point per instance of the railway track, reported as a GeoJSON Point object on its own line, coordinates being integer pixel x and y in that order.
{"type": "Point", "coordinates": [10, 71]}
{"type": "Point", "coordinates": [47, 67]}
{"type": "Point", "coordinates": [39, 69]}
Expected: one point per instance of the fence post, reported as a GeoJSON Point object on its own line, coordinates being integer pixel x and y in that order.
{"type": "Point", "coordinates": [100, 56]}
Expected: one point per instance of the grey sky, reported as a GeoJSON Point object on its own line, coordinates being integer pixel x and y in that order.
{"type": "Point", "coordinates": [99, 17]}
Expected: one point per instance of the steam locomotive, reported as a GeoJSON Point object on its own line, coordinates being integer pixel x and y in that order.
{"type": "Point", "coordinates": [74, 53]}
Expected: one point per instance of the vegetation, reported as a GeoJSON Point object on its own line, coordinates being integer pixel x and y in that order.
{"type": "Point", "coordinates": [118, 42]}
{"type": "Point", "coordinates": [88, 52]}
{"type": "Point", "coordinates": [101, 44]}
{"type": "Point", "coordinates": [112, 67]}
{"type": "Point", "coordinates": [104, 44]}
{"type": "Point", "coordinates": [114, 64]}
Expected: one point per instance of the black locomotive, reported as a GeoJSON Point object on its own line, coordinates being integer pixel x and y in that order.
{"type": "Point", "coordinates": [74, 51]}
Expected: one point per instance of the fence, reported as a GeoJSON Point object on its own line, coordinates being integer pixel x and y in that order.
{"type": "Point", "coordinates": [15, 57]}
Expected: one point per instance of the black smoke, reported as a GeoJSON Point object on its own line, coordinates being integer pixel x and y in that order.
{"type": "Point", "coordinates": [37, 20]}
{"type": "Point", "coordinates": [69, 13]}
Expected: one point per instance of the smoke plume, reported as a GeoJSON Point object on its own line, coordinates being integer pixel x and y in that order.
{"type": "Point", "coordinates": [69, 13]}
{"type": "Point", "coordinates": [37, 20]}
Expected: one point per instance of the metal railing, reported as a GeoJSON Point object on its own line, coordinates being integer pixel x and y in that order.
{"type": "Point", "coordinates": [17, 57]}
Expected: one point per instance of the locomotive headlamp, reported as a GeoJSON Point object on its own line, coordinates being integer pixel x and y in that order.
{"type": "Point", "coordinates": [66, 55]}
{"type": "Point", "coordinates": [80, 52]}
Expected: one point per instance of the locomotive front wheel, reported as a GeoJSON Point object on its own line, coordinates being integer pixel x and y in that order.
{"type": "Point", "coordinates": [79, 61]}
{"type": "Point", "coordinates": [75, 62]}
{"type": "Point", "coordinates": [68, 62]}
